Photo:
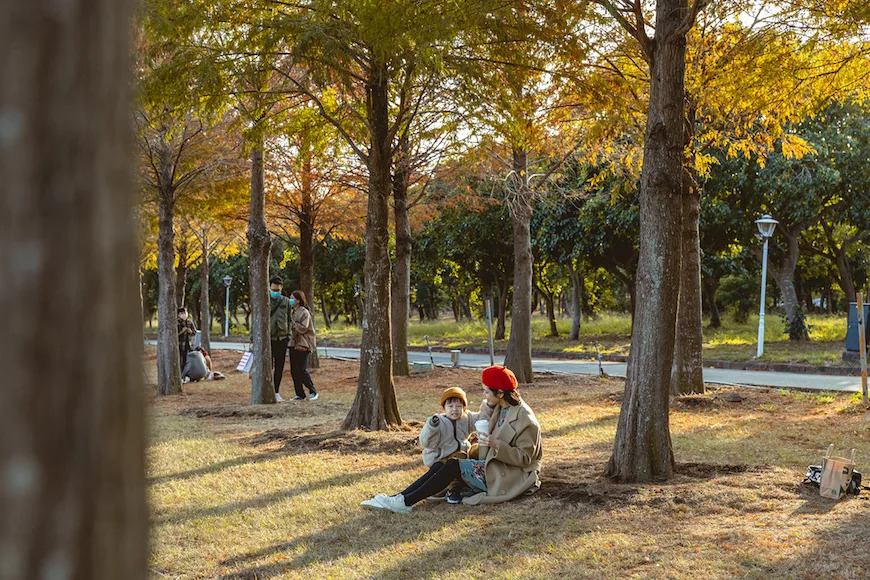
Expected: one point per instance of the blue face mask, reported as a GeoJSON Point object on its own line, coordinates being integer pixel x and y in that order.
{"type": "Point", "coordinates": [292, 302]}
{"type": "Point", "coordinates": [274, 294]}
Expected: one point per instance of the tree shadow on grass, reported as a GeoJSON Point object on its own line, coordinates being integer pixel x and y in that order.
{"type": "Point", "coordinates": [571, 429]}
{"type": "Point", "coordinates": [376, 531]}
{"type": "Point", "coordinates": [345, 443]}
{"type": "Point", "coordinates": [265, 500]}
{"type": "Point", "coordinates": [370, 532]}
{"type": "Point", "coordinates": [840, 549]}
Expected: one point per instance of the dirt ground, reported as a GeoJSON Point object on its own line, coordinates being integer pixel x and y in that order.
{"type": "Point", "coordinates": [736, 507]}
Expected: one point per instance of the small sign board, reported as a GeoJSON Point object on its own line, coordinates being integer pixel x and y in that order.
{"type": "Point", "coordinates": [246, 362]}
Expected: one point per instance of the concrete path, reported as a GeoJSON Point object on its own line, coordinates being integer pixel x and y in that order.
{"type": "Point", "coordinates": [590, 367]}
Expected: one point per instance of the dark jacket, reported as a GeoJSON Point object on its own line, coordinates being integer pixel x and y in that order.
{"type": "Point", "coordinates": [184, 337]}
{"type": "Point", "coordinates": [279, 318]}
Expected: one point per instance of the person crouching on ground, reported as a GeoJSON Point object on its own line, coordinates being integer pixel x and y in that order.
{"type": "Point", "coordinates": [510, 461]}
{"type": "Point", "coordinates": [445, 436]}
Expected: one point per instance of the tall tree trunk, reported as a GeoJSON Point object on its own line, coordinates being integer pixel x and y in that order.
{"type": "Point", "coordinates": [181, 273]}
{"type": "Point", "coordinates": [551, 313]}
{"type": "Point", "coordinates": [710, 287]}
{"type": "Point", "coordinates": [502, 309]}
{"type": "Point", "coordinates": [847, 282]}
{"type": "Point", "coordinates": [519, 348]}
{"type": "Point", "coordinates": [72, 497]}
{"type": "Point", "coordinates": [168, 368]}
{"type": "Point", "coordinates": [642, 449]}
{"type": "Point", "coordinates": [374, 406]}
{"type": "Point", "coordinates": [687, 374]}
{"type": "Point", "coordinates": [204, 306]}
{"type": "Point", "coordinates": [784, 277]}
{"type": "Point", "coordinates": [576, 307]}
{"type": "Point", "coordinates": [259, 244]}
{"type": "Point", "coordinates": [325, 309]}
{"type": "Point", "coordinates": [400, 295]}
{"type": "Point", "coordinates": [306, 243]}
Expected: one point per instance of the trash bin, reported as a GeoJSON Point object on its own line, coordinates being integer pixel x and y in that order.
{"type": "Point", "coordinates": [454, 358]}
{"type": "Point", "coordinates": [852, 328]}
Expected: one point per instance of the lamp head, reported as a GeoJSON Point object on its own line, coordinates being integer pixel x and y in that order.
{"type": "Point", "coordinates": [766, 225]}
{"type": "Point", "coordinates": [228, 280]}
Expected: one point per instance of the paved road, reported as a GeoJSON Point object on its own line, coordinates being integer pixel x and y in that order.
{"type": "Point", "coordinates": [590, 367]}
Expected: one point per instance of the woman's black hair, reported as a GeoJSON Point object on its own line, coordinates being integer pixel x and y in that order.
{"type": "Point", "coordinates": [299, 295]}
{"type": "Point", "coordinates": [512, 397]}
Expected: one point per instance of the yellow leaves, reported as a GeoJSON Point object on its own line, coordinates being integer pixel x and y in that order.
{"type": "Point", "coordinates": [795, 147]}
{"type": "Point", "coordinates": [703, 162]}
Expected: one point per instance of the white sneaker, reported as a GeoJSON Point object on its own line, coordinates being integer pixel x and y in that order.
{"type": "Point", "coordinates": [185, 380]}
{"type": "Point", "coordinates": [313, 397]}
{"type": "Point", "coordinates": [278, 398]}
{"type": "Point", "coordinates": [374, 503]}
{"type": "Point", "coordinates": [395, 504]}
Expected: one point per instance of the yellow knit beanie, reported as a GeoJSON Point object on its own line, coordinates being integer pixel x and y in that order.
{"type": "Point", "coordinates": [454, 392]}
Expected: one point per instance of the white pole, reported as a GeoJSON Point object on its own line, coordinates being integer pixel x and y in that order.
{"type": "Point", "coordinates": [489, 330]}
{"type": "Point", "coordinates": [227, 315]}
{"type": "Point", "coordinates": [761, 308]}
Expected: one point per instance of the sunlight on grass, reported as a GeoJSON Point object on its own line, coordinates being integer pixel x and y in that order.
{"type": "Point", "coordinates": [224, 504]}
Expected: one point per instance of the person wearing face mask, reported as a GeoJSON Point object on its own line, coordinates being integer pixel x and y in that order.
{"type": "Point", "coordinates": [302, 342]}
{"type": "Point", "coordinates": [279, 329]}
{"type": "Point", "coordinates": [186, 329]}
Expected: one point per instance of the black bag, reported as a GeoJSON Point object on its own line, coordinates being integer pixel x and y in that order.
{"type": "Point", "coordinates": [814, 478]}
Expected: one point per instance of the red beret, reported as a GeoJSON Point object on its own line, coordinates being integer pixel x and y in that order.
{"type": "Point", "coordinates": [499, 379]}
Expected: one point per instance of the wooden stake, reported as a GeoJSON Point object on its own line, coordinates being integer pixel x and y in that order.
{"type": "Point", "coordinates": [862, 347]}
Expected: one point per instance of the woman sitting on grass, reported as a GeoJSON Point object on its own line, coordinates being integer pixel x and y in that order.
{"type": "Point", "coordinates": [510, 460]}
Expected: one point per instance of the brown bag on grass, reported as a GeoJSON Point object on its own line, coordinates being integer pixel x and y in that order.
{"type": "Point", "coordinates": [836, 474]}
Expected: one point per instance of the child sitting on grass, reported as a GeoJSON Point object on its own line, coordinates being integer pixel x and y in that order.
{"type": "Point", "coordinates": [445, 435]}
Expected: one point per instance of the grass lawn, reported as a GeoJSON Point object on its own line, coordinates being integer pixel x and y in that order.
{"type": "Point", "coordinates": [611, 334]}
{"type": "Point", "coordinates": [273, 491]}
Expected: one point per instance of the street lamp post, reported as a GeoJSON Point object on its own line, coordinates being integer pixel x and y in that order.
{"type": "Point", "coordinates": [227, 281]}
{"type": "Point", "coordinates": [766, 225]}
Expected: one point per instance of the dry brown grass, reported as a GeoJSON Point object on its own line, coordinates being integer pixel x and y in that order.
{"type": "Point", "coordinates": [273, 491]}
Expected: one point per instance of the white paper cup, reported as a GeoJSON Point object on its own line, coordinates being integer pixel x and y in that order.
{"type": "Point", "coordinates": [482, 427]}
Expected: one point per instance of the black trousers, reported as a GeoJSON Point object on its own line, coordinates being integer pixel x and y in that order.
{"type": "Point", "coordinates": [183, 349]}
{"type": "Point", "coordinates": [437, 479]}
{"type": "Point", "coordinates": [299, 372]}
{"type": "Point", "coordinates": [279, 355]}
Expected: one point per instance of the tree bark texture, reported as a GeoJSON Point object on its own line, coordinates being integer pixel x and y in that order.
{"type": "Point", "coordinates": [306, 244]}
{"type": "Point", "coordinates": [375, 406]}
{"type": "Point", "coordinates": [576, 307]}
{"type": "Point", "coordinates": [502, 310]}
{"type": "Point", "coordinates": [168, 368]}
{"type": "Point", "coordinates": [400, 295]}
{"type": "Point", "coordinates": [784, 277]}
{"type": "Point", "coordinates": [204, 305]}
{"type": "Point", "coordinates": [642, 449]}
{"type": "Point", "coordinates": [72, 497]}
{"type": "Point", "coordinates": [259, 244]}
{"type": "Point", "coordinates": [710, 288]}
{"type": "Point", "coordinates": [519, 348]}
{"type": "Point", "coordinates": [687, 375]}
{"type": "Point", "coordinates": [181, 274]}
{"type": "Point", "coordinates": [847, 281]}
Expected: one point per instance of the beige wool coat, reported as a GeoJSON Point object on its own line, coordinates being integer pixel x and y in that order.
{"type": "Point", "coordinates": [302, 329]}
{"type": "Point", "coordinates": [515, 466]}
